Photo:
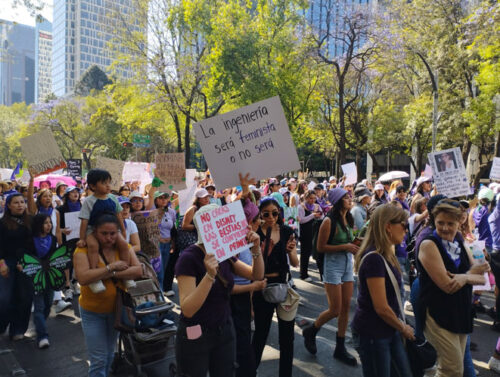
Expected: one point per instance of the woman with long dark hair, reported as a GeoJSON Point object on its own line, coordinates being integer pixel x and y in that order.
{"type": "Point", "coordinates": [16, 292]}
{"type": "Point", "coordinates": [279, 243]}
{"type": "Point", "coordinates": [335, 239]}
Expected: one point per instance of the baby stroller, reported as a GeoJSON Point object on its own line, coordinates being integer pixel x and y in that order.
{"type": "Point", "coordinates": [152, 343]}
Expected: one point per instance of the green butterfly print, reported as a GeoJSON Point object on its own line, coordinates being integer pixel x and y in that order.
{"type": "Point", "coordinates": [48, 272]}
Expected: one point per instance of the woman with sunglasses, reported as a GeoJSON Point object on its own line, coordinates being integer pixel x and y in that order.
{"type": "Point", "coordinates": [377, 328]}
{"type": "Point", "coordinates": [278, 242]}
{"type": "Point", "coordinates": [335, 240]}
{"type": "Point", "coordinates": [447, 273]}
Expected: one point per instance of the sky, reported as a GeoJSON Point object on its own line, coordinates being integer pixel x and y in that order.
{"type": "Point", "coordinates": [20, 14]}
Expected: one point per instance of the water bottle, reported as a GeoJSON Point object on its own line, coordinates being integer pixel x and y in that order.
{"type": "Point", "coordinates": [477, 252]}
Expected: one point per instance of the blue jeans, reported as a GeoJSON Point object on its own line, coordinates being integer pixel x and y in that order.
{"type": "Point", "coordinates": [165, 256]}
{"type": "Point", "coordinates": [101, 338]}
{"type": "Point", "coordinates": [419, 318]}
{"type": "Point", "coordinates": [16, 296]}
{"type": "Point", "coordinates": [42, 302]}
{"type": "Point", "coordinates": [384, 357]}
{"type": "Point", "coordinates": [469, 370]}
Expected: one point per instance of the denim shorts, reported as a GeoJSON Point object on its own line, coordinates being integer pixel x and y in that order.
{"type": "Point", "coordinates": [338, 268]}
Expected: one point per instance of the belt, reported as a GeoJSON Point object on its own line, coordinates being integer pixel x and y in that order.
{"type": "Point", "coordinates": [165, 240]}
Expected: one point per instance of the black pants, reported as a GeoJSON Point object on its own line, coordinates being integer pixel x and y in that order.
{"type": "Point", "coordinates": [305, 254]}
{"type": "Point", "coordinates": [263, 316]}
{"type": "Point", "coordinates": [495, 268]}
{"type": "Point", "coordinates": [213, 352]}
{"type": "Point", "coordinates": [168, 279]}
{"type": "Point", "coordinates": [242, 315]}
{"type": "Point", "coordinates": [320, 262]}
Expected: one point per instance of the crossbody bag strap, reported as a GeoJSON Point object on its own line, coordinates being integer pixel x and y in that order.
{"type": "Point", "coordinates": [395, 285]}
{"type": "Point", "coordinates": [393, 281]}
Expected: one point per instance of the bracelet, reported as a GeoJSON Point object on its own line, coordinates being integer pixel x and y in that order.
{"type": "Point", "coordinates": [114, 273]}
{"type": "Point", "coordinates": [108, 268]}
{"type": "Point", "coordinates": [210, 277]}
{"type": "Point", "coordinates": [256, 255]}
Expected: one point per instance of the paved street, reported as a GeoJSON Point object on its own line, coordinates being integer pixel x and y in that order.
{"type": "Point", "coordinates": [67, 356]}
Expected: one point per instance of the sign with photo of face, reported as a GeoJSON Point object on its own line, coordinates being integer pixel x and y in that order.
{"type": "Point", "coordinates": [448, 171]}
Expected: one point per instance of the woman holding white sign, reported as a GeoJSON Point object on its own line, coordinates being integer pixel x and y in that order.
{"type": "Point", "coordinates": [205, 341]}
{"type": "Point", "coordinates": [279, 242]}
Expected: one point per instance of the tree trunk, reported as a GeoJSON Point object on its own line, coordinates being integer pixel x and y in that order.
{"type": "Point", "coordinates": [187, 144]}
{"type": "Point", "coordinates": [358, 164]}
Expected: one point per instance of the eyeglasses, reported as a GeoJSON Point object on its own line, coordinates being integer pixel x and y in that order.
{"type": "Point", "coordinates": [404, 224]}
{"type": "Point", "coordinates": [136, 200]}
{"type": "Point", "coordinates": [267, 214]}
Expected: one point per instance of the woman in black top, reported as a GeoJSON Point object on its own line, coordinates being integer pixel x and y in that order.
{"type": "Point", "coordinates": [16, 292]}
{"type": "Point", "coordinates": [278, 242]}
{"type": "Point", "coordinates": [447, 274]}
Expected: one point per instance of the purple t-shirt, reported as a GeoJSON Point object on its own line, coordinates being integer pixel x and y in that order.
{"type": "Point", "coordinates": [366, 321]}
{"type": "Point", "coordinates": [216, 310]}
{"type": "Point", "coordinates": [494, 221]}
{"type": "Point", "coordinates": [480, 216]}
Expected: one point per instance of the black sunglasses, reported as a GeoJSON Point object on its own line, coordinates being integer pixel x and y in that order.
{"type": "Point", "coordinates": [267, 214]}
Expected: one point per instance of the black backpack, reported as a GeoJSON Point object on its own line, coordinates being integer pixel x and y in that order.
{"type": "Point", "coordinates": [315, 230]}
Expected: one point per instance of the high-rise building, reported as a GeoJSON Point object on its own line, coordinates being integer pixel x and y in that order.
{"type": "Point", "coordinates": [17, 63]}
{"type": "Point", "coordinates": [82, 30]}
{"type": "Point", "coordinates": [328, 21]}
{"type": "Point", "coordinates": [43, 60]}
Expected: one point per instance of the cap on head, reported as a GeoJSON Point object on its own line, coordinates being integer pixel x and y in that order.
{"type": "Point", "coordinates": [201, 193]}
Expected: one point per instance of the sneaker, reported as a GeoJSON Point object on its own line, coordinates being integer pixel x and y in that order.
{"type": "Point", "coordinates": [129, 284]}
{"type": "Point", "coordinates": [97, 287]}
{"type": "Point", "coordinates": [309, 334]}
{"type": "Point", "coordinates": [68, 294]}
{"type": "Point", "coordinates": [44, 343]}
{"type": "Point", "coordinates": [170, 293]}
{"type": "Point", "coordinates": [18, 337]}
{"type": "Point", "coordinates": [75, 286]}
{"type": "Point", "coordinates": [408, 306]}
{"type": "Point", "coordinates": [62, 306]}
{"type": "Point", "coordinates": [308, 279]}
{"type": "Point", "coordinates": [494, 364]}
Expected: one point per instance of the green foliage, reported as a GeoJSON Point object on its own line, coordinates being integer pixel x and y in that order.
{"type": "Point", "coordinates": [92, 79]}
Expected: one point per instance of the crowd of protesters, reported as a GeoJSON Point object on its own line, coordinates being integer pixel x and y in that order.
{"type": "Point", "coordinates": [362, 234]}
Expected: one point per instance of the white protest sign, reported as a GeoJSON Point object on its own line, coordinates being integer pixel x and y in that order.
{"type": "Point", "coordinates": [495, 168]}
{"type": "Point", "coordinates": [114, 167]}
{"type": "Point", "coordinates": [134, 171]}
{"type": "Point", "coordinates": [171, 169]}
{"type": "Point", "coordinates": [72, 222]}
{"type": "Point", "coordinates": [311, 185]}
{"type": "Point", "coordinates": [42, 152]}
{"type": "Point", "coordinates": [186, 196]}
{"type": "Point", "coordinates": [224, 230]}
{"type": "Point", "coordinates": [351, 173]}
{"type": "Point", "coordinates": [254, 139]}
{"type": "Point", "coordinates": [427, 171]}
{"type": "Point", "coordinates": [448, 171]}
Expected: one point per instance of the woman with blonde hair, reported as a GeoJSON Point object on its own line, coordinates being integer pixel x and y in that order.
{"type": "Point", "coordinates": [377, 325]}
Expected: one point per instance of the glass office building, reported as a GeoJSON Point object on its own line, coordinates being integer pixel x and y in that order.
{"type": "Point", "coordinates": [43, 60]}
{"type": "Point", "coordinates": [81, 31]}
{"type": "Point", "coordinates": [328, 19]}
{"type": "Point", "coordinates": [17, 63]}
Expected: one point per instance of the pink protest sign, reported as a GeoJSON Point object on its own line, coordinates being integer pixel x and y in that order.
{"type": "Point", "coordinates": [224, 230]}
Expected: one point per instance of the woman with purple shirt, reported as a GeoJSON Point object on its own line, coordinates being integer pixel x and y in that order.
{"type": "Point", "coordinates": [377, 327]}
{"type": "Point", "coordinates": [167, 229]}
{"type": "Point", "coordinates": [205, 340]}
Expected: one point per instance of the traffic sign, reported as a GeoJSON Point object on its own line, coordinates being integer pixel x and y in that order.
{"type": "Point", "coordinates": [142, 145]}
{"type": "Point", "coordinates": [141, 139]}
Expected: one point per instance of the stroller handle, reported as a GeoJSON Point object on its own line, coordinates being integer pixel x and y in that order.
{"type": "Point", "coordinates": [155, 309]}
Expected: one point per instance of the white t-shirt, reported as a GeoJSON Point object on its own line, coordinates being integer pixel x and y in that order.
{"type": "Point", "coordinates": [130, 228]}
{"type": "Point", "coordinates": [412, 224]}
